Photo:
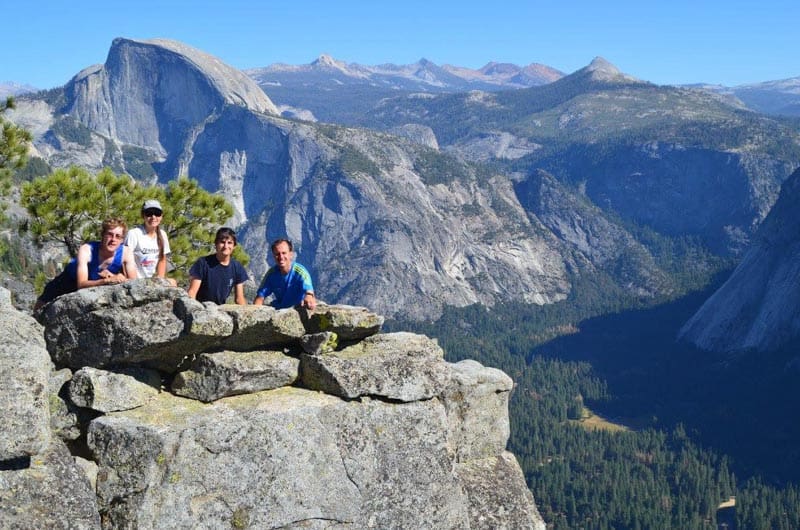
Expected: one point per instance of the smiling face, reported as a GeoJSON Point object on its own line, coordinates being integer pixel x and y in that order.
{"type": "Point", "coordinates": [152, 218]}
{"type": "Point", "coordinates": [113, 234]}
{"type": "Point", "coordinates": [224, 247]}
{"type": "Point", "coordinates": [283, 256]}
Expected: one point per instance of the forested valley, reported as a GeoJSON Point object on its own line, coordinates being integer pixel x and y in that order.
{"type": "Point", "coordinates": [687, 431]}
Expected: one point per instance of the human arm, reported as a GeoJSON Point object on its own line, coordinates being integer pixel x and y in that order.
{"type": "Point", "coordinates": [238, 294]}
{"type": "Point", "coordinates": [128, 265]}
{"type": "Point", "coordinates": [194, 286]}
{"type": "Point", "coordinates": [161, 266]}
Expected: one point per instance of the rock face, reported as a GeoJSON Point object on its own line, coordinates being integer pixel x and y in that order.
{"type": "Point", "coordinates": [419, 230]}
{"type": "Point", "coordinates": [112, 99]}
{"type": "Point", "coordinates": [758, 307]}
{"type": "Point", "coordinates": [287, 430]}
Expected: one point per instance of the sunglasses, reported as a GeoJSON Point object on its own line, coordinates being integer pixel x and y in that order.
{"type": "Point", "coordinates": [152, 212]}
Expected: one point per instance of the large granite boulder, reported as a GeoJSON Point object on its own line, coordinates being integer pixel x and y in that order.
{"type": "Point", "coordinates": [476, 401]}
{"type": "Point", "coordinates": [181, 415]}
{"type": "Point", "coordinates": [137, 322]}
{"type": "Point", "coordinates": [282, 458]}
{"type": "Point", "coordinates": [24, 384]}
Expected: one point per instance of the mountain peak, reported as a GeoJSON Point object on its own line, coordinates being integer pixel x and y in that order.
{"type": "Point", "coordinates": [326, 61]}
{"type": "Point", "coordinates": [603, 71]}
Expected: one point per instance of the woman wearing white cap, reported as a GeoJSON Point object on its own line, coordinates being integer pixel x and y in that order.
{"type": "Point", "coordinates": [149, 250]}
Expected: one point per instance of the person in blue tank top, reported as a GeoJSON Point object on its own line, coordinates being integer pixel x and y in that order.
{"type": "Point", "coordinates": [103, 262]}
{"type": "Point", "coordinates": [287, 281]}
{"type": "Point", "coordinates": [107, 261]}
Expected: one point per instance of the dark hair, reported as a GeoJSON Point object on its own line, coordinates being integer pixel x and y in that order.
{"type": "Point", "coordinates": [225, 233]}
{"type": "Point", "coordinates": [278, 242]}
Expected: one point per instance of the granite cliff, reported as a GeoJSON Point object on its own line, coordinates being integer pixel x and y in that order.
{"type": "Point", "coordinates": [758, 307]}
{"type": "Point", "coordinates": [419, 230]}
{"type": "Point", "coordinates": [134, 406]}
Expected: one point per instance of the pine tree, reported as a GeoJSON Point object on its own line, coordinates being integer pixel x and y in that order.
{"type": "Point", "coordinates": [69, 206]}
{"type": "Point", "coordinates": [13, 146]}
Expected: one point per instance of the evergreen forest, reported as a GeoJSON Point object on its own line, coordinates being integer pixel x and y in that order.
{"type": "Point", "coordinates": [618, 426]}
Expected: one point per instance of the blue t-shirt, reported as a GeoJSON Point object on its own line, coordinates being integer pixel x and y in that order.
{"type": "Point", "coordinates": [217, 280]}
{"type": "Point", "coordinates": [288, 288]}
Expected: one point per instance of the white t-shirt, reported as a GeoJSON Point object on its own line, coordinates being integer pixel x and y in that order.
{"type": "Point", "coordinates": [145, 250]}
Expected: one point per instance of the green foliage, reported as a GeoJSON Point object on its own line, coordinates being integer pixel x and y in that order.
{"type": "Point", "coordinates": [14, 142]}
{"type": "Point", "coordinates": [70, 205]}
{"type": "Point", "coordinates": [138, 162]}
{"type": "Point", "coordinates": [352, 161]}
{"type": "Point", "coordinates": [695, 421]}
{"type": "Point", "coordinates": [36, 167]}
{"type": "Point", "coordinates": [71, 130]}
{"type": "Point", "coordinates": [437, 168]}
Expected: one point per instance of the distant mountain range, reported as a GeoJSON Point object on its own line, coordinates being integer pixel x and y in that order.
{"type": "Point", "coordinates": [438, 197]}
{"type": "Point", "coordinates": [10, 88]}
{"type": "Point", "coordinates": [423, 75]}
{"type": "Point", "coordinates": [289, 85]}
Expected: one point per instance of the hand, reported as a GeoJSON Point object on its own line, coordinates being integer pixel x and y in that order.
{"type": "Point", "coordinates": [309, 301]}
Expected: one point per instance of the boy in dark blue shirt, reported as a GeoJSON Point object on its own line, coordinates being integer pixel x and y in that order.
{"type": "Point", "coordinates": [213, 277]}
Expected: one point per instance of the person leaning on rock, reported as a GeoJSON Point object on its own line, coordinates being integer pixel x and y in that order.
{"type": "Point", "coordinates": [213, 277]}
{"type": "Point", "coordinates": [107, 261]}
{"type": "Point", "coordinates": [149, 243]}
{"type": "Point", "coordinates": [103, 262]}
{"type": "Point", "coordinates": [288, 281]}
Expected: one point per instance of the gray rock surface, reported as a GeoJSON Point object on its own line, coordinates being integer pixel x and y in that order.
{"type": "Point", "coordinates": [758, 307]}
{"type": "Point", "coordinates": [401, 448]}
{"type": "Point", "coordinates": [348, 322]}
{"type": "Point", "coordinates": [318, 343]}
{"type": "Point", "coordinates": [503, 502]}
{"type": "Point", "coordinates": [137, 322]}
{"type": "Point", "coordinates": [476, 401]}
{"type": "Point", "coordinates": [50, 491]}
{"type": "Point", "coordinates": [280, 458]}
{"type": "Point", "coordinates": [106, 391]}
{"type": "Point", "coordinates": [216, 375]}
{"type": "Point", "coordinates": [113, 100]}
{"type": "Point", "coordinates": [24, 384]}
{"type": "Point", "coordinates": [262, 327]}
{"type": "Point", "coordinates": [399, 366]}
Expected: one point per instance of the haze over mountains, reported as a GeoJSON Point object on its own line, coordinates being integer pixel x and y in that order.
{"type": "Point", "coordinates": [440, 197]}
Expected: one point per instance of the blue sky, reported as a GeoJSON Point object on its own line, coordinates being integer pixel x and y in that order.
{"type": "Point", "coordinates": [45, 43]}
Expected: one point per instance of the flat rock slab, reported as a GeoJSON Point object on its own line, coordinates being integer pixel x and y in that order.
{"type": "Point", "coordinates": [348, 322]}
{"type": "Point", "coordinates": [262, 327]}
{"type": "Point", "coordinates": [399, 366]}
{"type": "Point", "coordinates": [106, 391]}
{"type": "Point", "coordinates": [216, 375]}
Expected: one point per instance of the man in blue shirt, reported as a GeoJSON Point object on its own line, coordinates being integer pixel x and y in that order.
{"type": "Point", "coordinates": [288, 281]}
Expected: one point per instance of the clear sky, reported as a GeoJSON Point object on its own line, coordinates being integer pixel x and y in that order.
{"type": "Point", "coordinates": [44, 43]}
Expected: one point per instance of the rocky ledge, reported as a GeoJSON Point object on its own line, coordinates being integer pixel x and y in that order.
{"type": "Point", "coordinates": [133, 406]}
